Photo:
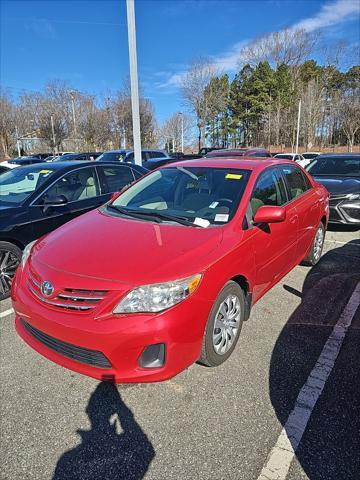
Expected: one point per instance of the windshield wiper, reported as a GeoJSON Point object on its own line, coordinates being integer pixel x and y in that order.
{"type": "Point", "coordinates": [131, 213]}
{"type": "Point", "coordinates": [156, 216]}
{"type": "Point", "coordinates": [172, 218]}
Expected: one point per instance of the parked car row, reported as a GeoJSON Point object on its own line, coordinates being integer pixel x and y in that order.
{"type": "Point", "coordinates": [36, 199]}
{"type": "Point", "coordinates": [80, 186]}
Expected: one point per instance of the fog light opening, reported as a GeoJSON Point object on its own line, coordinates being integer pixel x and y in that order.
{"type": "Point", "coordinates": [153, 356]}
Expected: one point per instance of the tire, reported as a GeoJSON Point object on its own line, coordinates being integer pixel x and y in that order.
{"type": "Point", "coordinates": [10, 257]}
{"type": "Point", "coordinates": [214, 351]}
{"type": "Point", "coordinates": [316, 248]}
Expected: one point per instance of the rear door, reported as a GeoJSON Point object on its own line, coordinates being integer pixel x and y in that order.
{"type": "Point", "coordinates": [307, 202]}
{"type": "Point", "coordinates": [274, 244]}
{"type": "Point", "coordinates": [114, 178]}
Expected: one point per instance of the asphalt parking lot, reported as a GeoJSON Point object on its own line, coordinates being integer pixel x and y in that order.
{"type": "Point", "coordinates": [222, 423]}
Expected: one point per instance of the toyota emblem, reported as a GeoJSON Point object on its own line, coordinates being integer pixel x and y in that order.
{"type": "Point", "coordinates": [47, 288]}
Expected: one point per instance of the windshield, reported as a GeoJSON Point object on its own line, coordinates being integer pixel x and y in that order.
{"type": "Point", "coordinates": [338, 166]}
{"type": "Point", "coordinates": [200, 195]}
{"type": "Point", "coordinates": [18, 184]}
{"type": "Point", "coordinates": [309, 156]}
{"type": "Point", "coordinates": [112, 156]}
{"type": "Point", "coordinates": [287, 156]}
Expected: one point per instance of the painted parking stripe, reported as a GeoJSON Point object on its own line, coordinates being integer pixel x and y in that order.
{"type": "Point", "coordinates": [6, 312]}
{"type": "Point", "coordinates": [282, 454]}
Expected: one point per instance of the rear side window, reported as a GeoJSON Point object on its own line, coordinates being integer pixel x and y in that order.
{"type": "Point", "coordinates": [296, 181]}
{"type": "Point", "coordinates": [155, 154]}
{"type": "Point", "coordinates": [259, 154]}
{"type": "Point", "coordinates": [117, 177]}
{"type": "Point", "coordinates": [269, 190]}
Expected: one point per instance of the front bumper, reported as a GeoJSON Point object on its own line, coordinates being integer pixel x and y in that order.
{"type": "Point", "coordinates": [344, 211]}
{"type": "Point", "coordinates": [109, 347]}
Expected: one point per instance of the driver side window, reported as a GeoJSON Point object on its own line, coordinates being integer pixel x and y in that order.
{"type": "Point", "coordinates": [74, 186]}
{"type": "Point", "coordinates": [269, 190]}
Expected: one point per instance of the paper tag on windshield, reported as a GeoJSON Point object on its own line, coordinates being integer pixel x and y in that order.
{"type": "Point", "coordinates": [213, 204]}
{"type": "Point", "coordinates": [221, 217]}
{"type": "Point", "coordinates": [201, 222]}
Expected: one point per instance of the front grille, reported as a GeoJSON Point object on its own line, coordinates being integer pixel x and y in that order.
{"type": "Point", "coordinates": [80, 354]}
{"type": "Point", "coordinates": [68, 298]}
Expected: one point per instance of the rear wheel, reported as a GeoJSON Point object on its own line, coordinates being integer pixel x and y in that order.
{"type": "Point", "coordinates": [315, 251]}
{"type": "Point", "coordinates": [224, 325]}
{"type": "Point", "coordinates": [10, 257]}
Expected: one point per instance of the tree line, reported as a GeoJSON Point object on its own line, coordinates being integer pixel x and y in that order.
{"type": "Point", "coordinates": [259, 106]}
{"type": "Point", "coordinates": [61, 118]}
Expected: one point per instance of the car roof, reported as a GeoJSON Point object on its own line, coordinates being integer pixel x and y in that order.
{"type": "Point", "coordinates": [341, 155]}
{"type": "Point", "coordinates": [245, 163]}
{"type": "Point", "coordinates": [288, 153]}
{"type": "Point", "coordinates": [76, 163]}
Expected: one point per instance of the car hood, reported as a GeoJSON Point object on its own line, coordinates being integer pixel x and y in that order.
{"type": "Point", "coordinates": [128, 251]}
{"type": "Point", "coordinates": [337, 186]}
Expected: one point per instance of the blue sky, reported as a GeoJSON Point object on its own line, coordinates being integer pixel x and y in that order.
{"type": "Point", "coordinates": [85, 42]}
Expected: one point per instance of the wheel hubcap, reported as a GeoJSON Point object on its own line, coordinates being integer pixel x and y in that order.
{"type": "Point", "coordinates": [318, 243]}
{"type": "Point", "coordinates": [226, 326]}
{"type": "Point", "coordinates": [8, 265]}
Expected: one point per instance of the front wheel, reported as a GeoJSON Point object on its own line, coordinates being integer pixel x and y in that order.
{"type": "Point", "coordinates": [10, 257]}
{"type": "Point", "coordinates": [224, 325]}
{"type": "Point", "coordinates": [316, 249]}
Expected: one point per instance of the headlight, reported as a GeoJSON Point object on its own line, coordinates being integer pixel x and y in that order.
{"type": "Point", "coordinates": [26, 253]}
{"type": "Point", "coordinates": [158, 296]}
{"type": "Point", "coordinates": [353, 196]}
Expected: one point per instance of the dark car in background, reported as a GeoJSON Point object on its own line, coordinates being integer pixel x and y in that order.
{"type": "Point", "coordinates": [29, 159]}
{"type": "Point", "coordinates": [128, 155]}
{"type": "Point", "coordinates": [71, 157]}
{"type": "Point", "coordinates": [159, 162]}
{"type": "Point", "coordinates": [36, 199]}
{"type": "Point", "coordinates": [240, 152]}
{"type": "Point", "coordinates": [340, 174]}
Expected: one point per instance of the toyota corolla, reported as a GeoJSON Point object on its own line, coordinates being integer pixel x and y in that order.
{"type": "Point", "coordinates": [164, 274]}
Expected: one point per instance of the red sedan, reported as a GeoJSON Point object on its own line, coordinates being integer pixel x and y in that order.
{"type": "Point", "coordinates": [164, 275]}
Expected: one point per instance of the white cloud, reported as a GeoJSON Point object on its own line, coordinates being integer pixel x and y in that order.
{"type": "Point", "coordinates": [331, 13]}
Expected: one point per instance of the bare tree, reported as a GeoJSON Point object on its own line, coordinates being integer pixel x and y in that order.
{"type": "Point", "coordinates": [350, 119]}
{"type": "Point", "coordinates": [171, 131]}
{"type": "Point", "coordinates": [286, 47]}
{"type": "Point", "coordinates": [193, 88]}
{"type": "Point", "coordinates": [7, 124]}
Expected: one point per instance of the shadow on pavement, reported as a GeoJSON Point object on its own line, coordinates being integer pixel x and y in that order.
{"type": "Point", "coordinates": [330, 446]}
{"type": "Point", "coordinates": [106, 452]}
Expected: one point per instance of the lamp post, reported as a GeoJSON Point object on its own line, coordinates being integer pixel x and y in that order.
{"type": "Point", "coordinates": [53, 132]}
{"type": "Point", "coordinates": [130, 9]}
{"type": "Point", "coordinates": [73, 115]}
{"type": "Point", "coordinates": [298, 128]}
{"type": "Point", "coordinates": [182, 131]}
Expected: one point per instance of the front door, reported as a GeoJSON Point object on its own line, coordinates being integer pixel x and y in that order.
{"type": "Point", "coordinates": [81, 190]}
{"type": "Point", "coordinates": [274, 244]}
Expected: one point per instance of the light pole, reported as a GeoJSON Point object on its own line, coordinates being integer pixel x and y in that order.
{"type": "Point", "coordinates": [298, 128]}
{"type": "Point", "coordinates": [182, 131]}
{"type": "Point", "coordinates": [73, 115]}
{"type": "Point", "coordinates": [53, 132]}
{"type": "Point", "coordinates": [17, 141]}
{"type": "Point", "coordinates": [130, 9]}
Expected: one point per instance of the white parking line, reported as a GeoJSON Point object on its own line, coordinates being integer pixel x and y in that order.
{"type": "Point", "coordinates": [282, 454]}
{"type": "Point", "coordinates": [356, 243]}
{"type": "Point", "coordinates": [6, 312]}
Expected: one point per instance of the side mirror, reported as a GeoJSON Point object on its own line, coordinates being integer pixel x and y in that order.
{"type": "Point", "coordinates": [56, 201]}
{"type": "Point", "coordinates": [267, 214]}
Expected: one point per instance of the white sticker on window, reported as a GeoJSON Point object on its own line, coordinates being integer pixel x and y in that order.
{"type": "Point", "coordinates": [213, 204]}
{"type": "Point", "coordinates": [201, 222]}
{"type": "Point", "coordinates": [221, 217]}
